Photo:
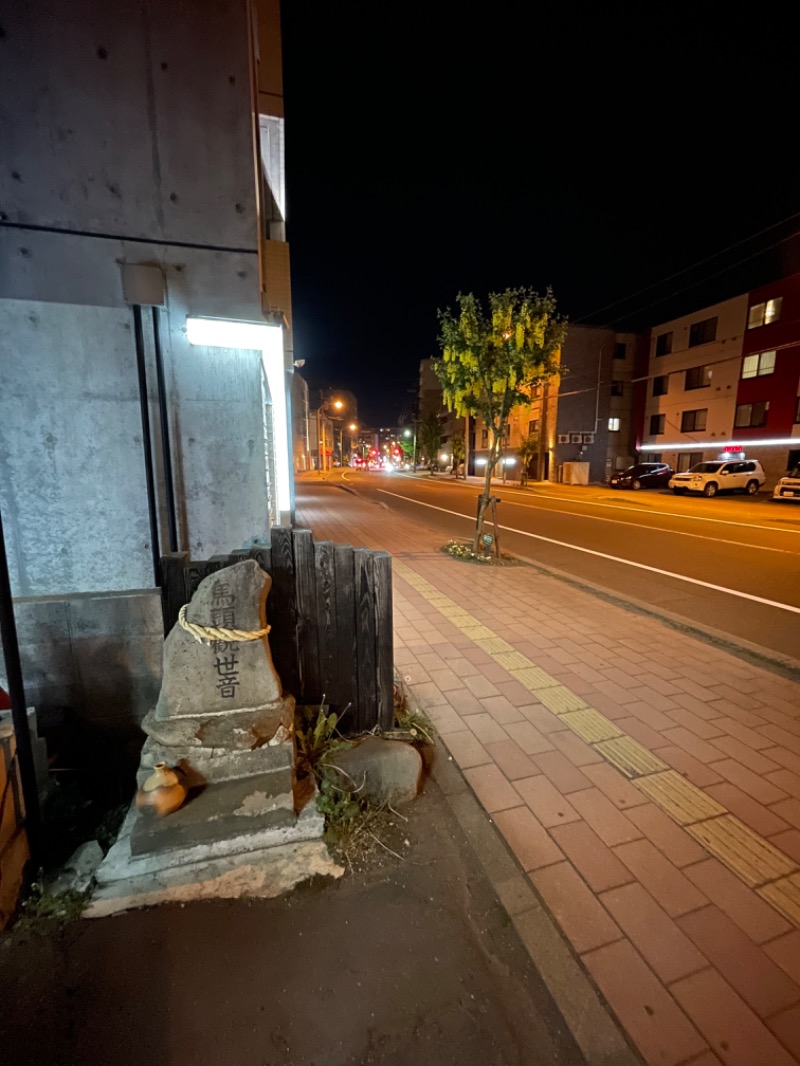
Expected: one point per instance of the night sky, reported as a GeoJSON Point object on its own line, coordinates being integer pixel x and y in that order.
{"type": "Point", "coordinates": [525, 145]}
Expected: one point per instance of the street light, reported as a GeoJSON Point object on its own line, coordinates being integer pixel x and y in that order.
{"type": "Point", "coordinates": [337, 405]}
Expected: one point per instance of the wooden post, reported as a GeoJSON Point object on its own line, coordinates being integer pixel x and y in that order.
{"type": "Point", "coordinates": [346, 687]}
{"type": "Point", "coordinates": [327, 627]}
{"type": "Point", "coordinates": [282, 612]}
{"type": "Point", "coordinates": [173, 591]}
{"type": "Point", "coordinates": [307, 619]}
{"type": "Point", "coordinates": [365, 636]}
{"type": "Point", "coordinates": [384, 639]}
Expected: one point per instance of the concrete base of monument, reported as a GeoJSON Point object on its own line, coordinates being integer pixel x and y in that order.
{"type": "Point", "coordinates": [218, 764]}
{"type": "Point", "coordinates": [258, 861]}
{"type": "Point", "coordinates": [218, 811]}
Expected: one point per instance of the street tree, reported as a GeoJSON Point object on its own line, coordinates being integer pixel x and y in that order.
{"type": "Point", "coordinates": [459, 451]}
{"type": "Point", "coordinates": [527, 451]}
{"type": "Point", "coordinates": [430, 437]}
{"type": "Point", "coordinates": [491, 357]}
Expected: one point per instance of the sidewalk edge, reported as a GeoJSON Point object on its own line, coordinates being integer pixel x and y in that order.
{"type": "Point", "coordinates": [757, 654]}
{"type": "Point", "coordinates": [599, 1036]}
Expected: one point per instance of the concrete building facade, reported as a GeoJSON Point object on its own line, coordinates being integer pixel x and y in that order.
{"type": "Point", "coordinates": [692, 380]}
{"type": "Point", "coordinates": [137, 135]}
{"type": "Point", "coordinates": [142, 165]}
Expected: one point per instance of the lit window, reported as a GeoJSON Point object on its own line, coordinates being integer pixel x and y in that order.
{"type": "Point", "coordinates": [613, 425]}
{"type": "Point", "coordinates": [657, 424]}
{"type": "Point", "coordinates": [664, 343]}
{"type": "Point", "coordinates": [751, 414]}
{"type": "Point", "coordinates": [693, 421]}
{"type": "Point", "coordinates": [764, 313]}
{"type": "Point", "coordinates": [697, 378]}
{"type": "Point", "coordinates": [703, 332]}
{"type": "Point", "coordinates": [758, 366]}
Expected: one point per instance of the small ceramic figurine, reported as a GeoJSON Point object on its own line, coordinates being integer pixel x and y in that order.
{"type": "Point", "coordinates": [163, 792]}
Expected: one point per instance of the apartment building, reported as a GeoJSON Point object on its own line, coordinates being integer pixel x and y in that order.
{"type": "Point", "coordinates": [691, 382]}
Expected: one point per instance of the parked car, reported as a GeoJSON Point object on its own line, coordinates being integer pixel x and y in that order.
{"type": "Point", "coordinates": [739, 475]}
{"type": "Point", "coordinates": [788, 488]}
{"type": "Point", "coordinates": [642, 476]}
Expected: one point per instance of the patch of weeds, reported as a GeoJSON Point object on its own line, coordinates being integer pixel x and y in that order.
{"type": "Point", "coordinates": [317, 739]}
{"type": "Point", "coordinates": [353, 826]}
{"type": "Point", "coordinates": [411, 725]}
{"type": "Point", "coordinates": [459, 549]}
{"type": "Point", "coordinates": [46, 911]}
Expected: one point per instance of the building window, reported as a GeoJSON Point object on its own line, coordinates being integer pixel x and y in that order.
{"type": "Point", "coordinates": [657, 424]}
{"type": "Point", "coordinates": [758, 366]}
{"type": "Point", "coordinates": [613, 425]}
{"type": "Point", "coordinates": [703, 332]}
{"type": "Point", "coordinates": [696, 378]}
{"type": "Point", "coordinates": [664, 343]}
{"type": "Point", "coordinates": [661, 385]}
{"type": "Point", "coordinates": [617, 388]}
{"type": "Point", "coordinates": [686, 460]}
{"type": "Point", "coordinates": [484, 438]}
{"type": "Point", "coordinates": [693, 421]}
{"type": "Point", "coordinates": [654, 457]}
{"type": "Point", "coordinates": [533, 425]}
{"type": "Point", "coordinates": [763, 314]}
{"type": "Point", "coordinates": [797, 412]}
{"type": "Point", "coordinates": [751, 414]}
{"type": "Point", "coordinates": [620, 350]}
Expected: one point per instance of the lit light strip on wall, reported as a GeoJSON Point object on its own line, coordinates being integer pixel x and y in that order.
{"type": "Point", "coordinates": [719, 445]}
{"type": "Point", "coordinates": [267, 339]}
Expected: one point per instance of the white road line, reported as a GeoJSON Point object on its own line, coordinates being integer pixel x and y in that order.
{"type": "Point", "coordinates": [534, 495]}
{"type": "Point", "coordinates": [612, 558]}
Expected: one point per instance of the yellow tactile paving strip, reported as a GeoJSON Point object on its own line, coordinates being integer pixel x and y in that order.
{"type": "Point", "coordinates": [591, 726]}
{"type": "Point", "coordinates": [758, 863]}
{"type": "Point", "coordinates": [630, 757]}
{"type": "Point", "coordinates": [784, 895]}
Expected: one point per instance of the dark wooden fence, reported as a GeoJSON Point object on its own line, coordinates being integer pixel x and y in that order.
{"type": "Point", "coordinates": [330, 608]}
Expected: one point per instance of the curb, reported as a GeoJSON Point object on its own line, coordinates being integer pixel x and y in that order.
{"type": "Point", "coordinates": [596, 1032]}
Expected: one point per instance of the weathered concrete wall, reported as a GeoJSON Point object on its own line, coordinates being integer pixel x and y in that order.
{"type": "Point", "coordinates": [72, 483]}
{"type": "Point", "coordinates": [128, 137]}
{"type": "Point", "coordinates": [99, 657]}
{"type": "Point", "coordinates": [130, 119]}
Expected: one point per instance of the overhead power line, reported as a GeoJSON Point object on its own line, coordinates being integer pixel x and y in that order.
{"type": "Point", "coordinates": [694, 266]}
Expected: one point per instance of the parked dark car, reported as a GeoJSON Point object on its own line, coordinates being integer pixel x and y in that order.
{"type": "Point", "coordinates": [642, 476]}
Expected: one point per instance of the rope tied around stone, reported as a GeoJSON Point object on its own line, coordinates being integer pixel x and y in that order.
{"type": "Point", "coordinates": [208, 634]}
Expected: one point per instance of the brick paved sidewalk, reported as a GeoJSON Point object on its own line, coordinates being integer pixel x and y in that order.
{"type": "Point", "coordinates": [647, 781]}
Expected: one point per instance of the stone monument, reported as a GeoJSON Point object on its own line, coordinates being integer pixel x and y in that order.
{"type": "Point", "coordinates": [223, 719]}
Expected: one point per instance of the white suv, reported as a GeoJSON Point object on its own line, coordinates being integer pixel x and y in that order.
{"type": "Point", "coordinates": [737, 475]}
{"type": "Point", "coordinates": [788, 488]}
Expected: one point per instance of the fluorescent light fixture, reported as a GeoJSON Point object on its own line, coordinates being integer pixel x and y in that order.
{"type": "Point", "coordinates": [480, 462]}
{"type": "Point", "coordinates": [510, 462]}
{"type": "Point", "coordinates": [229, 333]}
{"type": "Point", "coordinates": [719, 445]}
{"type": "Point", "coordinates": [267, 338]}
{"type": "Point", "coordinates": [444, 457]}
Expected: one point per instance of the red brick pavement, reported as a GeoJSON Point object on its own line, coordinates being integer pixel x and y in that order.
{"type": "Point", "coordinates": [697, 966]}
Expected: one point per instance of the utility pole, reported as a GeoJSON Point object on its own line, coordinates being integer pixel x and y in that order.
{"type": "Point", "coordinates": [543, 433]}
{"type": "Point", "coordinates": [466, 446]}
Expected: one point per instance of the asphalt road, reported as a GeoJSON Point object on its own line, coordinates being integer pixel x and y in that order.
{"type": "Point", "coordinates": [729, 563]}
